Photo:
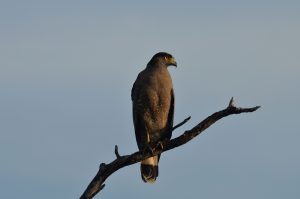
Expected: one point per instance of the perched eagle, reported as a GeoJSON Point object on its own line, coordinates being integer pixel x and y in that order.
{"type": "Point", "coordinates": [153, 109]}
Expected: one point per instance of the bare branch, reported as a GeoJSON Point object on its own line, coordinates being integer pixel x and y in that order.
{"type": "Point", "coordinates": [181, 123]}
{"type": "Point", "coordinates": [105, 170]}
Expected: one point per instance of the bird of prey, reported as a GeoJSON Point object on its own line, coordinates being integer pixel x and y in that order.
{"type": "Point", "coordinates": [153, 109]}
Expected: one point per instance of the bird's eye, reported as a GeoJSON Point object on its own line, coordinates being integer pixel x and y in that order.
{"type": "Point", "coordinates": [168, 58]}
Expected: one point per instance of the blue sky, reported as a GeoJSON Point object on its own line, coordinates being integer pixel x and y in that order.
{"type": "Point", "coordinates": [66, 71]}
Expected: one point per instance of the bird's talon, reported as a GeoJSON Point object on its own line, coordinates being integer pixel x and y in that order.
{"type": "Point", "coordinates": [148, 148]}
{"type": "Point", "coordinates": [160, 145]}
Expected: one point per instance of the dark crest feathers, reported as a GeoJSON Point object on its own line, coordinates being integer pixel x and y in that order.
{"type": "Point", "coordinates": [159, 55]}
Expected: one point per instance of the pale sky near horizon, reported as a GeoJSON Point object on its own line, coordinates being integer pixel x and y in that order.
{"type": "Point", "coordinates": [66, 71]}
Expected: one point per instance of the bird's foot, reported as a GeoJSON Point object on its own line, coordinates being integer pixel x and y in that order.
{"type": "Point", "coordinates": [148, 148]}
{"type": "Point", "coordinates": [159, 145]}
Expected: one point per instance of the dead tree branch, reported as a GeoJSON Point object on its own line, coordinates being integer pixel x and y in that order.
{"type": "Point", "coordinates": [105, 170]}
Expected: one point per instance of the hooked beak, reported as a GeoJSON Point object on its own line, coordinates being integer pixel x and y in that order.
{"type": "Point", "coordinates": [173, 62]}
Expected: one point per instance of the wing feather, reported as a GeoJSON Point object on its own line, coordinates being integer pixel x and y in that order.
{"type": "Point", "coordinates": [171, 116]}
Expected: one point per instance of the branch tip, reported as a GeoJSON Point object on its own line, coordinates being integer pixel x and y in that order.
{"type": "Point", "coordinates": [255, 108]}
{"type": "Point", "coordinates": [231, 103]}
{"type": "Point", "coordinates": [102, 166]}
{"type": "Point", "coordinates": [181, 123]}
{"type": "Point", "coordinates": [117, 152]}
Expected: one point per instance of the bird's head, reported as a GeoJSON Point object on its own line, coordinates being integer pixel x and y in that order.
{"type": "Point", "coordinates": [163, 58]}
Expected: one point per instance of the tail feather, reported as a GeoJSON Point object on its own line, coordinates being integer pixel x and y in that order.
{"type": "Point", "coordinates": [149, 169]}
